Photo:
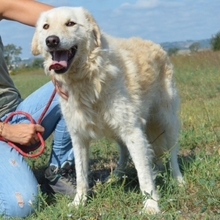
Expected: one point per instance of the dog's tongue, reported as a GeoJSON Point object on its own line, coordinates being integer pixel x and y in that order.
{"type": "Point", "coordinates": [59, 60]}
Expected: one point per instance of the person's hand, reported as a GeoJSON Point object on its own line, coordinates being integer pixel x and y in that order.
{"type": "Point", "coordinates": [60, 90]}
{"type": "Point", "coordinates": [24, 134]}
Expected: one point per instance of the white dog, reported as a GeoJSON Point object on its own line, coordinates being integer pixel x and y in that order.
{"type": "Point", "coordinates": [118, 88]}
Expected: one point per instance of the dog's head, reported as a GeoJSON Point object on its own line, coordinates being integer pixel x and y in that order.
{"type": "Point", "coordinates": [63, 35]}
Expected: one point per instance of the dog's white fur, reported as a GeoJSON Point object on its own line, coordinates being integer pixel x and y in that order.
{"type": "Point", "coordinates": [119, 88]}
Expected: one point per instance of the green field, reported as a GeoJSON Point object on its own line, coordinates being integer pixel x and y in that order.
{"type": "Point", "coordinates": [198, 80]}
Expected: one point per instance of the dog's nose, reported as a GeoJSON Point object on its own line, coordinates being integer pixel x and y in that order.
{"type": "Point", "coordinates": [52, 41]}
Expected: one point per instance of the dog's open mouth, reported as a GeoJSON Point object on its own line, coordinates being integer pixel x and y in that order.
{"type": "Point", "coordinates": [62, 59]}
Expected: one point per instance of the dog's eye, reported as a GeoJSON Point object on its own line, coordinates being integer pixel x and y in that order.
{"type": "Point", "coordinates": [46, 26]}
{"type": "Point", "coordinates": [70, 23]}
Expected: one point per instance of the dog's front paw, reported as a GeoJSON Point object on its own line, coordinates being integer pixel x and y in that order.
{"type": "Point", "coordinates": [78, 200]}
{"type": "Point", "coordinates": [151, 207]}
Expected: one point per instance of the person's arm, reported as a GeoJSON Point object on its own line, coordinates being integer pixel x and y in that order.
{"type": "Point", "coordinates": [23, 11]}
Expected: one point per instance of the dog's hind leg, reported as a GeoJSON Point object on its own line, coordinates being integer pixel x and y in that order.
{"type": "Point", "coordinates": [163, 131]}
{"type": "Point", "coordinates": [171, 135]}
{"type": "Point", "coordinates": [122, 162]}
{"type": "Point", "coordinates": [164, 142]}
{"type": "Point", "coordinates": [171, 128]}
{"type": "Point", "coordinates": [174, 166]}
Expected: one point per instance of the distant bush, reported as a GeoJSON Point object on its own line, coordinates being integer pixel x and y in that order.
{"type": "Point", "coordinates": [215, 42]}
{"type": "Point", "coordinates": [194, 47]}
{"type": "Point", "coordinates": [38, 62]}
{"type": "Point", "coordinates": [172, 51]}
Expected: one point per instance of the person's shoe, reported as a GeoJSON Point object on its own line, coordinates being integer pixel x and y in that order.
{"type": "Point", "coordinates": [61, 180]}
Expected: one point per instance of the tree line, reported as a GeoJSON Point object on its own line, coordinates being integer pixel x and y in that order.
{"type": "Point", "coordinates": [194, 47]}
{"type": "Point", "coordinates": [12, 57]}
{"type": "Point", "coordinates": [12, 52]}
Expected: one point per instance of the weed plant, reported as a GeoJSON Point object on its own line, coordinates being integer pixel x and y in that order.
{"type": "Point", "coordinates": [197, 77]}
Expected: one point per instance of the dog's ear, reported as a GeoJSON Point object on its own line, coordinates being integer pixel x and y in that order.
{"type": "Point", "coordinates": [96, 30]}
{"type": "Point", "coordinates": [34, 45]}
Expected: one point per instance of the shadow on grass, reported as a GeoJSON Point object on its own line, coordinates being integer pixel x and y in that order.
{"type": "Point", "coordinates": [99, 174]}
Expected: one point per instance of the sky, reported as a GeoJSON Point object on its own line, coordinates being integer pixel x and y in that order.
{"type": "Point", "coordinates": [157, 20]}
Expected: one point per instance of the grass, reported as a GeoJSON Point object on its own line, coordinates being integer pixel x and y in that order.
{"type": "Point", "coordinates": [197, 77]}
{"type": "Point", "coordinates": [27, 82]}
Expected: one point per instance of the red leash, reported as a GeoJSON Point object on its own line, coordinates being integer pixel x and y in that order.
{"type": "Point", "coordinates": [24, 150]}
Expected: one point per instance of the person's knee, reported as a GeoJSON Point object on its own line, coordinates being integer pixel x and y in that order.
{"type": "Point", "coordinates": [18, 204]}
{"type": "Point", "coordinates": [18, 185]}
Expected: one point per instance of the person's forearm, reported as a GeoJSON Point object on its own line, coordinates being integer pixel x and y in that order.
{"type": "Point", "coordinates": [23, 11]}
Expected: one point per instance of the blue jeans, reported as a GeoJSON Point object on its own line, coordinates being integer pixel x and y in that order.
{"type": "Point", "coordinates": [18, 185]}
